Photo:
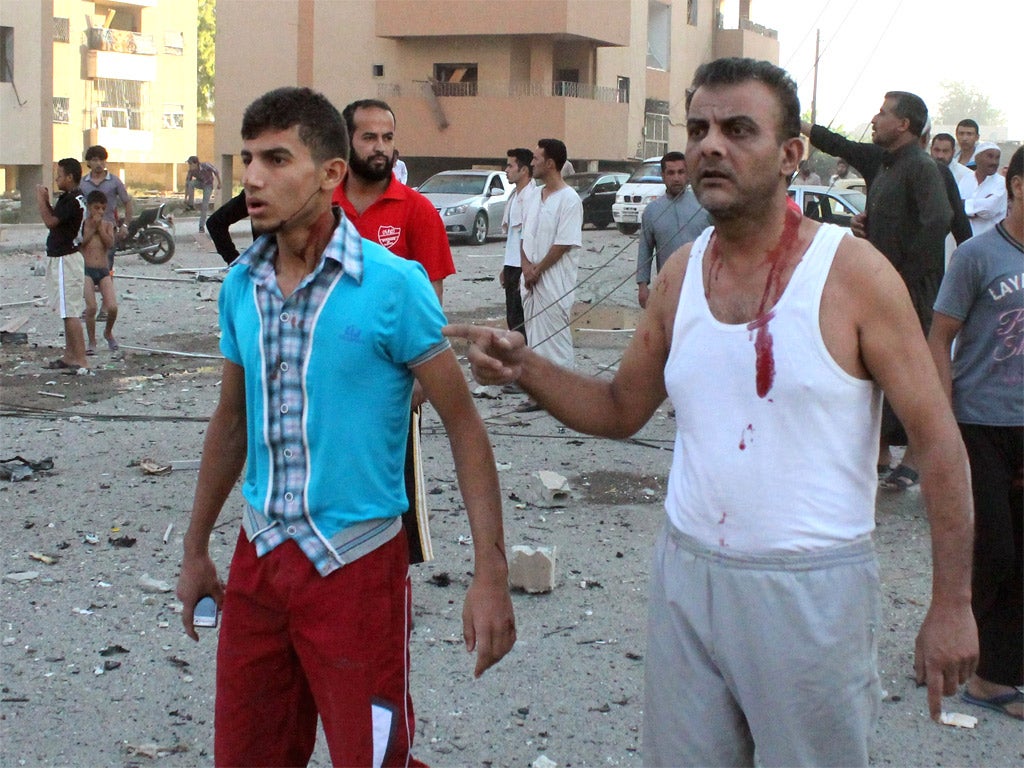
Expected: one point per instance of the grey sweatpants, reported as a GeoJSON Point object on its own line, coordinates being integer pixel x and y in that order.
{"type": "Point", "coordinates": [776, 653]}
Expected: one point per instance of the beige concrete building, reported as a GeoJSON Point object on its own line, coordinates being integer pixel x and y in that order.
{"type": "Point", "coordinates": [121, 73]}
{"type": "Point", "coordinates": [470, 78]}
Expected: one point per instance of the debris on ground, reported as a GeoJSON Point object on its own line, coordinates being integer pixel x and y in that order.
{"type": "Point", "coordinates": [152, 467]}
{"type": "Point", "coordinates": [154, 586]}
{"type": "Point", "coordinates": [532, 569]}
{"type": "Point", "coordinates": [19, 468]}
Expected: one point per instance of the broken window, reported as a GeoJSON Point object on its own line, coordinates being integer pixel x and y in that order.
{"type": "Point", "coordinates": [455, 79]}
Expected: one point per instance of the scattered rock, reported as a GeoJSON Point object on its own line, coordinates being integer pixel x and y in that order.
{"type": "Point", "coordinates": [532, 569]}
{"type": "Point", "coordinates": [148, 584]}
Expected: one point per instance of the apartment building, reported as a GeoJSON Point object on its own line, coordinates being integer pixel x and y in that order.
{"type": "Point", "coordinates": [470, 78]}
{"type": "Point", "coordinates": [121, 73]}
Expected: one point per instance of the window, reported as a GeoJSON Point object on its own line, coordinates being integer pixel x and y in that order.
{"type": "Point", "coordinates": [455, 79]}
{"type": "Point", "coordinates": [378, 70]}
{"type": "Point", "coordinates": [622, 86]}
{"type": "Point", "coordinates": [174, 43]}
{"type": "Point", "coordinates": [61, 109]}
{"type": "Point", "coordinates": [6, 54]}
{"type": "Point", "coordinates": [61, 30]}
{"type": "Point", "coordinates": [567, 82]}
{"type": "Point", "coordinates": [691, 12]}
{"type": "Point", "coordinates": [174, 116]}
{"type": "Point", "coordinates": [126, 19]}
{"type": "Point", "coordinates": [117, 104]}
{"type": "Point", "coordinates": [659, 34]}
{"type": "Point", "coordinates": [656, 128]}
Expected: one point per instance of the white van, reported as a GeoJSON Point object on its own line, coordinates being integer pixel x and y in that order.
{"type": "Point", "coordinates": [643, 186]}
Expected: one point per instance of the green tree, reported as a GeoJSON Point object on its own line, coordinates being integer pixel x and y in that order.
{"type": "Point", "coordinates": [205, 60]}
{"type": "Point", "coordinates": [961, 101]}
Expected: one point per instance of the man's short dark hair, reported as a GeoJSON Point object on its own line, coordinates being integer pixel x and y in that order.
{"type": "Point", "coordinates": [95, 197]}
{"type": "Point", "coordinates": [943, 137]}
{"type": "Point", "coordinates": [71, 167]}
{"type": "Point", "coordinates": [671, 157]}
{"type": "Point", "coordinates": [734, 71]}
{"type": "Point", "coordinates": [192, 159]}
{"type": "Point", "coordinates": [349, 113]}
{"type": "Point", "coordinates": [321, 128]}
{"type": "Point", "coordinates": [96, 150]}
{"type": "Point", "coordinates": [1016, 168]}
{"type": "Point", "coordinates": [554, 150]}
{"type": "Point", "coordinates": [523, 156]}
{"type": "Point", "coordinates": [968, 123]}
{"type": "Point", "coordinates": [909, 107]}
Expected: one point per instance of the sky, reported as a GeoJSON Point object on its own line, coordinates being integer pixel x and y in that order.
{"type": "Point", "coordinates": [873, 46]}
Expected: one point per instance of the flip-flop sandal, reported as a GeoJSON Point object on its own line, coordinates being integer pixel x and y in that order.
{"type": "Point", "coordinates": [90, 351]}
{"type": "Point", "coordinates": [998, 703]}
{"type": "Point", "coordinates": [112, 345]}
{"type": "Point", "coordinates": [903, 478]}
{"type": "Point", "coordinates": [58, 365]}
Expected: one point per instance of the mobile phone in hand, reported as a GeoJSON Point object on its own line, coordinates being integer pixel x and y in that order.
{"type": "Point", "coordinates": [206, 613]}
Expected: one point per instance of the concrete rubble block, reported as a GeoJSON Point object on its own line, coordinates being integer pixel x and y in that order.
{"type": "Point", "coordinates": [532, 569]}
{"type": "Point", "coordinates": [552, 491]}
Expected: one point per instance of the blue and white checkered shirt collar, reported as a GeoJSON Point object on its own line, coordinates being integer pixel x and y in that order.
{"type": "Point", "coordinates": [345, 247]}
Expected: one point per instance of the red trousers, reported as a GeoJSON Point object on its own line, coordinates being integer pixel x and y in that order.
{"type": "Point", "coordinates": [294, 644]}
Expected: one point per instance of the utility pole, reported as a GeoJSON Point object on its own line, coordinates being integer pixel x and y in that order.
{"type": "Point", "coordinates": [814, 93]}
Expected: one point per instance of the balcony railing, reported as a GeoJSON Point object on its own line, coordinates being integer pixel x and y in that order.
{"type": "Point", "coordinates": [506, 90]}
{"type": "Point", "coordinates": [120, 41]}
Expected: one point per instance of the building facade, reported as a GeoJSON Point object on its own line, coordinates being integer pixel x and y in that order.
{"type": "Point", "coordinates": [121, 73]}
{"type": "Point", "coordinates": [470, 78]}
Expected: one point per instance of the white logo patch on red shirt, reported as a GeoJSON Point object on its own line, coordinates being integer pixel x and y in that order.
{"type": "Point", "coordinates": [388, 235]}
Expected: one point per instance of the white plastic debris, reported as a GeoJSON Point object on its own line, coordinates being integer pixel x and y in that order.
{"type": "Point", "coordinates": [958, 720]}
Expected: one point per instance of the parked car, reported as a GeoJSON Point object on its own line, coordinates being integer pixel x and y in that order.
{"type": "Point", "coordinates": [470, 203]}
{"type": "Point", "coordinates": [597, 191]}
{"type": "Point", "coordinates": [833, 205]}
{"type": "Point", "coordinates": [853, 182]}
{"type": "Point", "coordinates": [644, 186]}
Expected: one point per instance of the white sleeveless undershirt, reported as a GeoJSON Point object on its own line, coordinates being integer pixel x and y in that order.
{"type": "Point", "coordinates": [793, 470]}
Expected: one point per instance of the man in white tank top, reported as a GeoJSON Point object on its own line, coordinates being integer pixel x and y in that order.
{"type": "Point", "coordinates": [774, 337]}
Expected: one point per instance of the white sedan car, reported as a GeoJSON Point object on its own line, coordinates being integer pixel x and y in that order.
{"type": "Point", "coordinates": [833, 205]}
{"type": "Point", "coordinates": [471, 203]}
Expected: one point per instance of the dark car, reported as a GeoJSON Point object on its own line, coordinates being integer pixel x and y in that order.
{"type": "Point", "coordinates": [597, 191]}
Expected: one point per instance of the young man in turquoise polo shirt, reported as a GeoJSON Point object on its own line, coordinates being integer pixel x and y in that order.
{"type": "Point", "coordinates": [324, 333]}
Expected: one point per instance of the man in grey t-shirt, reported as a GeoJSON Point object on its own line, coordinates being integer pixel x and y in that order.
{"type": "Point", "coordinates": [981, 305]}
{"type": "Point", "coordinates": [671, 221]}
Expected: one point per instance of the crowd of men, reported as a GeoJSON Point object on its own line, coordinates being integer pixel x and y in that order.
{"type": "Point", "coordinates": [775, 338]}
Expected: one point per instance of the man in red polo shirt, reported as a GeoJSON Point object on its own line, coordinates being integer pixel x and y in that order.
{"type": "Point", "coordinates": [386, 211]}
{"type": "Point", "coordinates": [381, 207]}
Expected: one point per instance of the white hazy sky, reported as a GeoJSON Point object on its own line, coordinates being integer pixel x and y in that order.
{"type": "Point", "coordinates": [873, 46]}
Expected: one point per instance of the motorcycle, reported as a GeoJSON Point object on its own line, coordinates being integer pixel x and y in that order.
{"type": "Point", "coordinates": [150, 235]}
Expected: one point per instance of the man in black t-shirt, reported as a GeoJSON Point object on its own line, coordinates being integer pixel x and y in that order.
{"type": "Point", "coordinates": [65, 273]}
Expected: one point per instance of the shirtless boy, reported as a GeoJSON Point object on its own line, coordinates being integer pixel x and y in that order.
{"type": "Point", "coordinates": [97, 238]}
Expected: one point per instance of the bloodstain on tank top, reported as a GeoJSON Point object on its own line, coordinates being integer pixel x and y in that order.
{"type": "Point", "coordinates": [777, 261]}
